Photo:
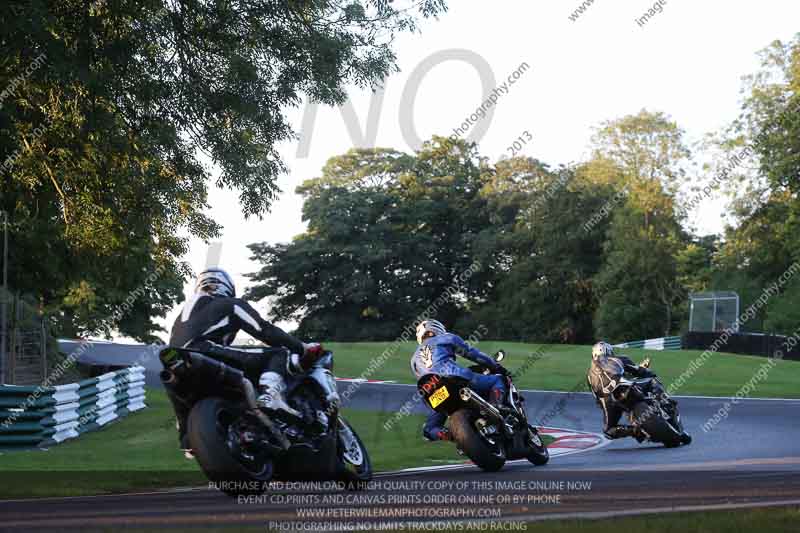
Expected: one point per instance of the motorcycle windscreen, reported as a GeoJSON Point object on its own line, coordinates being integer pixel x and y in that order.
{"type": "Point", "coordinates": [613, 368]}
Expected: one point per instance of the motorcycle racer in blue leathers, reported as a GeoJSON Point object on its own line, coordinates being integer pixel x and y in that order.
{"type": "Point", "coordinates": [437, 353]}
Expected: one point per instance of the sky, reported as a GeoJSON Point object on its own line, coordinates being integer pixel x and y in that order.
{"type": "Point", "coordinates": [687, 61]}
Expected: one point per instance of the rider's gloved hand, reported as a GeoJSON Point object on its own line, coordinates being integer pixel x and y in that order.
{"type": "Point", "coordinates": [500, 369]}
{"type": "Point", "coordinates": [646, 373]}
{"type": "Point", "coordinates": [311, 354]}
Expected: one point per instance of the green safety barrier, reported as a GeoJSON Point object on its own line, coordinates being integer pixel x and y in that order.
{"type": "Point", "coordinates": [44, 416]}
{"type": "Point", "coordinates": [662, 343]}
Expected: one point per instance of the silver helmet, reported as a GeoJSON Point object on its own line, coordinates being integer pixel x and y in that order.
{"type": "Point", "coordinates": [216, 282]}
{"type": "Point", "coordinates": [429, 325]}
{"type": "Point", "coordinates": [602, 351]}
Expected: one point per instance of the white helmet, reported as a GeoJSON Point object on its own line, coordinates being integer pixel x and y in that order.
{"type": "Point", "coordinates": [429, 325]}
{"type": "Point", "coordinates": [215, 282]}
{"type": "Point", "coordinates": [601, 351]}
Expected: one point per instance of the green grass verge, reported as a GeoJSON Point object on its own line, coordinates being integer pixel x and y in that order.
{"type": "Point", "coordinates": [563, 367]}
{"type": "Point", "coordinates": [141, 452]}
{"type": "Point", "coordinates": [763, 520]}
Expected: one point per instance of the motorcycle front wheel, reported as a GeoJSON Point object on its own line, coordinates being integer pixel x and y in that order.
{"type": "Point", "coordinates": [539, 454]}
{"type": "Point", "coordinates": [353, 457]}
{"type": "Point", "coordinates": [655, 426]}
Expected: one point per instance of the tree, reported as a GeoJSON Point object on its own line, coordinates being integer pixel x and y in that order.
{"type": "Point", "coordinates": [765, 241]}
{"type": "Point", "coordinates": [388, 235]}
{"type": "Point", "coordinates": [339, 278]}
{"type": "Point", "coordinates": [696, 263]}
{"type": "Point", "coordinates": [644, 156]}
{"type": "Point", "coordinates": [109, 107]}
{"type": "Point", "coordinates": [545, 291]}
{"type": "Point", "coordinates": [638, 285]}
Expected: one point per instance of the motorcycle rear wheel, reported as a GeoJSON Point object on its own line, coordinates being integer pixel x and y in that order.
{"type": "Point", "coordinates": [207, 429]}
{"type": "Point", "coordinates": [487, 457]}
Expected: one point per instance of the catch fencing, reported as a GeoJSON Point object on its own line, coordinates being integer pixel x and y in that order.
{"type": "Point", "coordinates": [43, 416]}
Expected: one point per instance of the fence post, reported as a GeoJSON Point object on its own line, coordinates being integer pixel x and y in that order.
{"type": "Point", "coordinates": [44, 350]}
{"type": "Point", "coordinates": [3, 308]}
{"type": "Point", "coordinates": [12, 353]}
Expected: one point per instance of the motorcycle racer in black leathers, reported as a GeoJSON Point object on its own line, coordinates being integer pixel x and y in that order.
{"type": "Point", "coordinates": [209, 322]}
{"type": "Point", "coordinates": [606, 365]}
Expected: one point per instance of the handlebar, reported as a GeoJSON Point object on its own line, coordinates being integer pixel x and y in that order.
{"type": "Point", "coordinates": [481, 369]}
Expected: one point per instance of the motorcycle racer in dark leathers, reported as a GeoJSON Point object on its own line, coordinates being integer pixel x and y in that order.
{"type": "Point", "coordinates": [209, 322]}
{"type": "Point", "coordinates": [605, 365]}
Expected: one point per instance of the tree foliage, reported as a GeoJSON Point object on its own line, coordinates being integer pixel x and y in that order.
{"type": "Point", "coordinates": [387, 235]}
{"type": "Point", "coordinates": [645, 157]}
{"type": "Point", "coordinates": [110, 143]}
{"type": "Point", "coordinates": [597, 250]}
{"type": "Point", "coordinates": [545, 290]}
{"type": "Point", "coordinates": [765, 241]}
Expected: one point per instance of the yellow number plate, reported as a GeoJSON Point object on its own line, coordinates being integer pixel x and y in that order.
{"type": "Point", "coordinates": [438, 397]}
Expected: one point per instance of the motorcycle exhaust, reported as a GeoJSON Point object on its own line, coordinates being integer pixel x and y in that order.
{"type": "Point", "coordinates": [218, 372]}
{"type": "Point", "coordinates": [471, 397]}
{"type": "Point", "coordinates": [213, 370]}
{"type": "Point", "coordinates": [167, 377]}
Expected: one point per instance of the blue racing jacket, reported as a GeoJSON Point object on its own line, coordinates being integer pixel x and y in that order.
{"type": "Point", "coordinates": [437, 355]}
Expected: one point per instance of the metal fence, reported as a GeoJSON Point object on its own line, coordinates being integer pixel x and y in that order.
{"type": "Point", "coordinates": [26, 344]}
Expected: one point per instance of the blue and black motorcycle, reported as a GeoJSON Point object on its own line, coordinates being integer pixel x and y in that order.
{"type": "Point", "coordinates": [487, 434]}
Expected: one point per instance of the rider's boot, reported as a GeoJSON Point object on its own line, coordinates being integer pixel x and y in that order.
{"type": "Point", "coordinates": [271, 386]}
{"type": "Point", "coordinates": [443, 434]}
{"type": "Point", "coordinates": [620, 432]}
{"type": "Point", "coordinates": [497, 397]}
{"type": "Point", "coordinates": [181, 407]}
{"type": "Point", "coordinates": [186, 448]}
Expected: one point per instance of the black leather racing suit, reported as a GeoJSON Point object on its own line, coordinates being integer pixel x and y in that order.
{"type": "Point", "coordinates": [208, 324]}
{"type": "Point", "coordinates": [600, 377]}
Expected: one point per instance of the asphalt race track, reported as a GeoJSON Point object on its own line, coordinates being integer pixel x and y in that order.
{"type": "Point", "coordinates": [751, 458]}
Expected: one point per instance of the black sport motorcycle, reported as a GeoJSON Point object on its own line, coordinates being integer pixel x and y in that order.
{"type": "Point", "coordinates": [240, 447]}
{"type": "Point", "coordinates": [650, 408]}
{"type": "Point", "coordinates": [487, 435]}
